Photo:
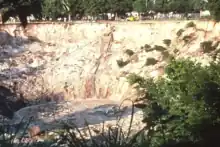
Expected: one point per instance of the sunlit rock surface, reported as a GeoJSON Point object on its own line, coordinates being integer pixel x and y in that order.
{"type": "Point", "coordinates": [58, 62]}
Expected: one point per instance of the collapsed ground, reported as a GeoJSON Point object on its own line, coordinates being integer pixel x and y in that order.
{"type": "Point", "coordinates": [60, 62]}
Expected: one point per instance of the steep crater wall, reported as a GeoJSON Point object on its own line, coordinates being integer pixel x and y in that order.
{"type": "Point", "coordinates": [92, 60]}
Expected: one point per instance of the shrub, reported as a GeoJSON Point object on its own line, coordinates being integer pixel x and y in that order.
{"type": "Point", "coordinates": [187, 38]}
{"type": "Point", "coordinates": [147, 46]}
{"type": "Point", "coordinates": [165, 55]}
{"type": "Point", "coordinates": [179, 32]}
{"type": "Point", "coordinates": [122, 63]}
{"type": "Point", "coordinates": [207, 47]}
{"type": "Point", "coordinates": [129, 52]}
{"type": "Point", "coordinates": [185, 106]}
{"type": "Point", "coordinates": [175, 51]}
{"type": "Point", "coordinates": [151, 61]}
{"type": "Point", "coordinates": [216, 56]}
{"type": "Point", "coordinates": [167, 42]}
{"type": "Point", "coordinates": [190, 24]}
{"type": "Point", "coordinates": [159, 48]}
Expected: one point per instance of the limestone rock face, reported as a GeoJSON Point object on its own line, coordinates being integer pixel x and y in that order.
{"type": "Point", "coordinates": [63, 63]}
{"type": "Point", "coordinates": [82, 60]}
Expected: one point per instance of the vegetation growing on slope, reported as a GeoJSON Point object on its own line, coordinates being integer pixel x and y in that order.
{"type": "Point", "coordinates": [184, 107]}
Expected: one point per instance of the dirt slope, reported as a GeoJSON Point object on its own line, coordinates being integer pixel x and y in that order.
{"type": "Point", "coordinates": [80, 60]}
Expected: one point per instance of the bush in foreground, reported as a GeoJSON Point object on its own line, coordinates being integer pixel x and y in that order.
{"type": "Point", "coordinates": [184, 107]}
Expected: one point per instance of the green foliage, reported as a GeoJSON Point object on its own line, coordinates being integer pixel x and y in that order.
{"type": "Point", "coordinates": [119, 6]}
{"type": "Point", "coordinates": [179, 32]}
{"type": "Point", "coordinates": [151, 61]}
{"type": "Point", "coordinates": [207, 47]}
{"type": "Point", "coordinates": [21, 8]}
{"type": "Point", "coordinates": [139, 5]}
{"type": "Point", "coordinates": [187, 39]}
{"type": "Point", "coordinates": [181, 6]}
{"type": "Point", "coordinates": [167, 42]}
{"type": "Point", "coordinates": [175, 51]}
{"type": "Point", "coordinates": [216, 56]}
{"type": "Point", "coordinates": [166, 55]}
{"type": "Point", "coordinates": [159, 48]}
{"type": "Point", "coordinates": [190, 24]}
{"type": "Point", "coordinates": [56, 8]}
{"type": "Point", "coordinates": [129, 52]}
{"type": "Point", "coordinates": [122, 63]}
{"type": "Point", "coordinates": [213, 6]}
{"type": "Point", "coordinates": [133, 79]}
{"type": "Point", "coordinates": [148, 48]}
{"type": "Point", "coordinates": [184, 106]}
{"type": "Point", "coordinates": [62, 7]}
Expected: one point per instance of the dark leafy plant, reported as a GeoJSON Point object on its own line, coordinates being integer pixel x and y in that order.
{"type": "Point", "coordinates": [209, 46]}
{"type": "Point", "coordinates": [129, 52]}
{"type": "Point", "coordinates": [206, 46]}
{"type": "Point", "coordinates": [166, 55]}
{"type": "Point", "coordinates": [122, 63]}
{"type": "Point", "coordinates": [190, 25]}
{"type": "Point", "coordinates": [159, 48]}
{"type": "Point", "coordinates": [147, 48]}
{"type": "Point", "coordinates": [187, 38]}
{"type": "Point", "coordinates": [175, 51]}
{"type": "Point", "coordinates": [184, 107]}
{"type": "Point", "coordinates": [216, 56]}
{"type": "Point", "coordinates": [167, 42]}
{"type": "Point", "coordinates": [151, 61]}
{"type": "Point", "coordinates": [179, 32]}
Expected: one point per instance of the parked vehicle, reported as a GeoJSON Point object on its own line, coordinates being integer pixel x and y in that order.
{"type": "Point", "coordinates": [132, 18]}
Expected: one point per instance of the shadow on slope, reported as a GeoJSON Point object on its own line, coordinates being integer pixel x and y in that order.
{"type": "Point", "coordinates": [76, 120]}
{"type": "Point", "coordinates": [12, 49]}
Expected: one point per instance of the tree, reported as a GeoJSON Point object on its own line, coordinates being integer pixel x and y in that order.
{"type": "Point", "coordinates": [76, 7]}
{"type": "Point", "coordinates": [181, 6]}
{"type": "Point", "coordinates": [54, 8]}
{"type": "Point", "coordinates": [140, 5]}
{"type": "Point", "coordinates": [22, 8]}
{"type": "Point", "coordinates": [94, 7]}
{"type": "Point", "coordinates": [197, 5]}
{"type": "Point", "coordinates": [214, 7]}
{"type": "Point", "coordinates": [120, 7]}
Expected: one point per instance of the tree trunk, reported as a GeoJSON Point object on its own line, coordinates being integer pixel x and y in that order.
{"type": "Point", "coordinates": [69, 17]}
{"type": "Point", "coordinates": [116, 16]}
